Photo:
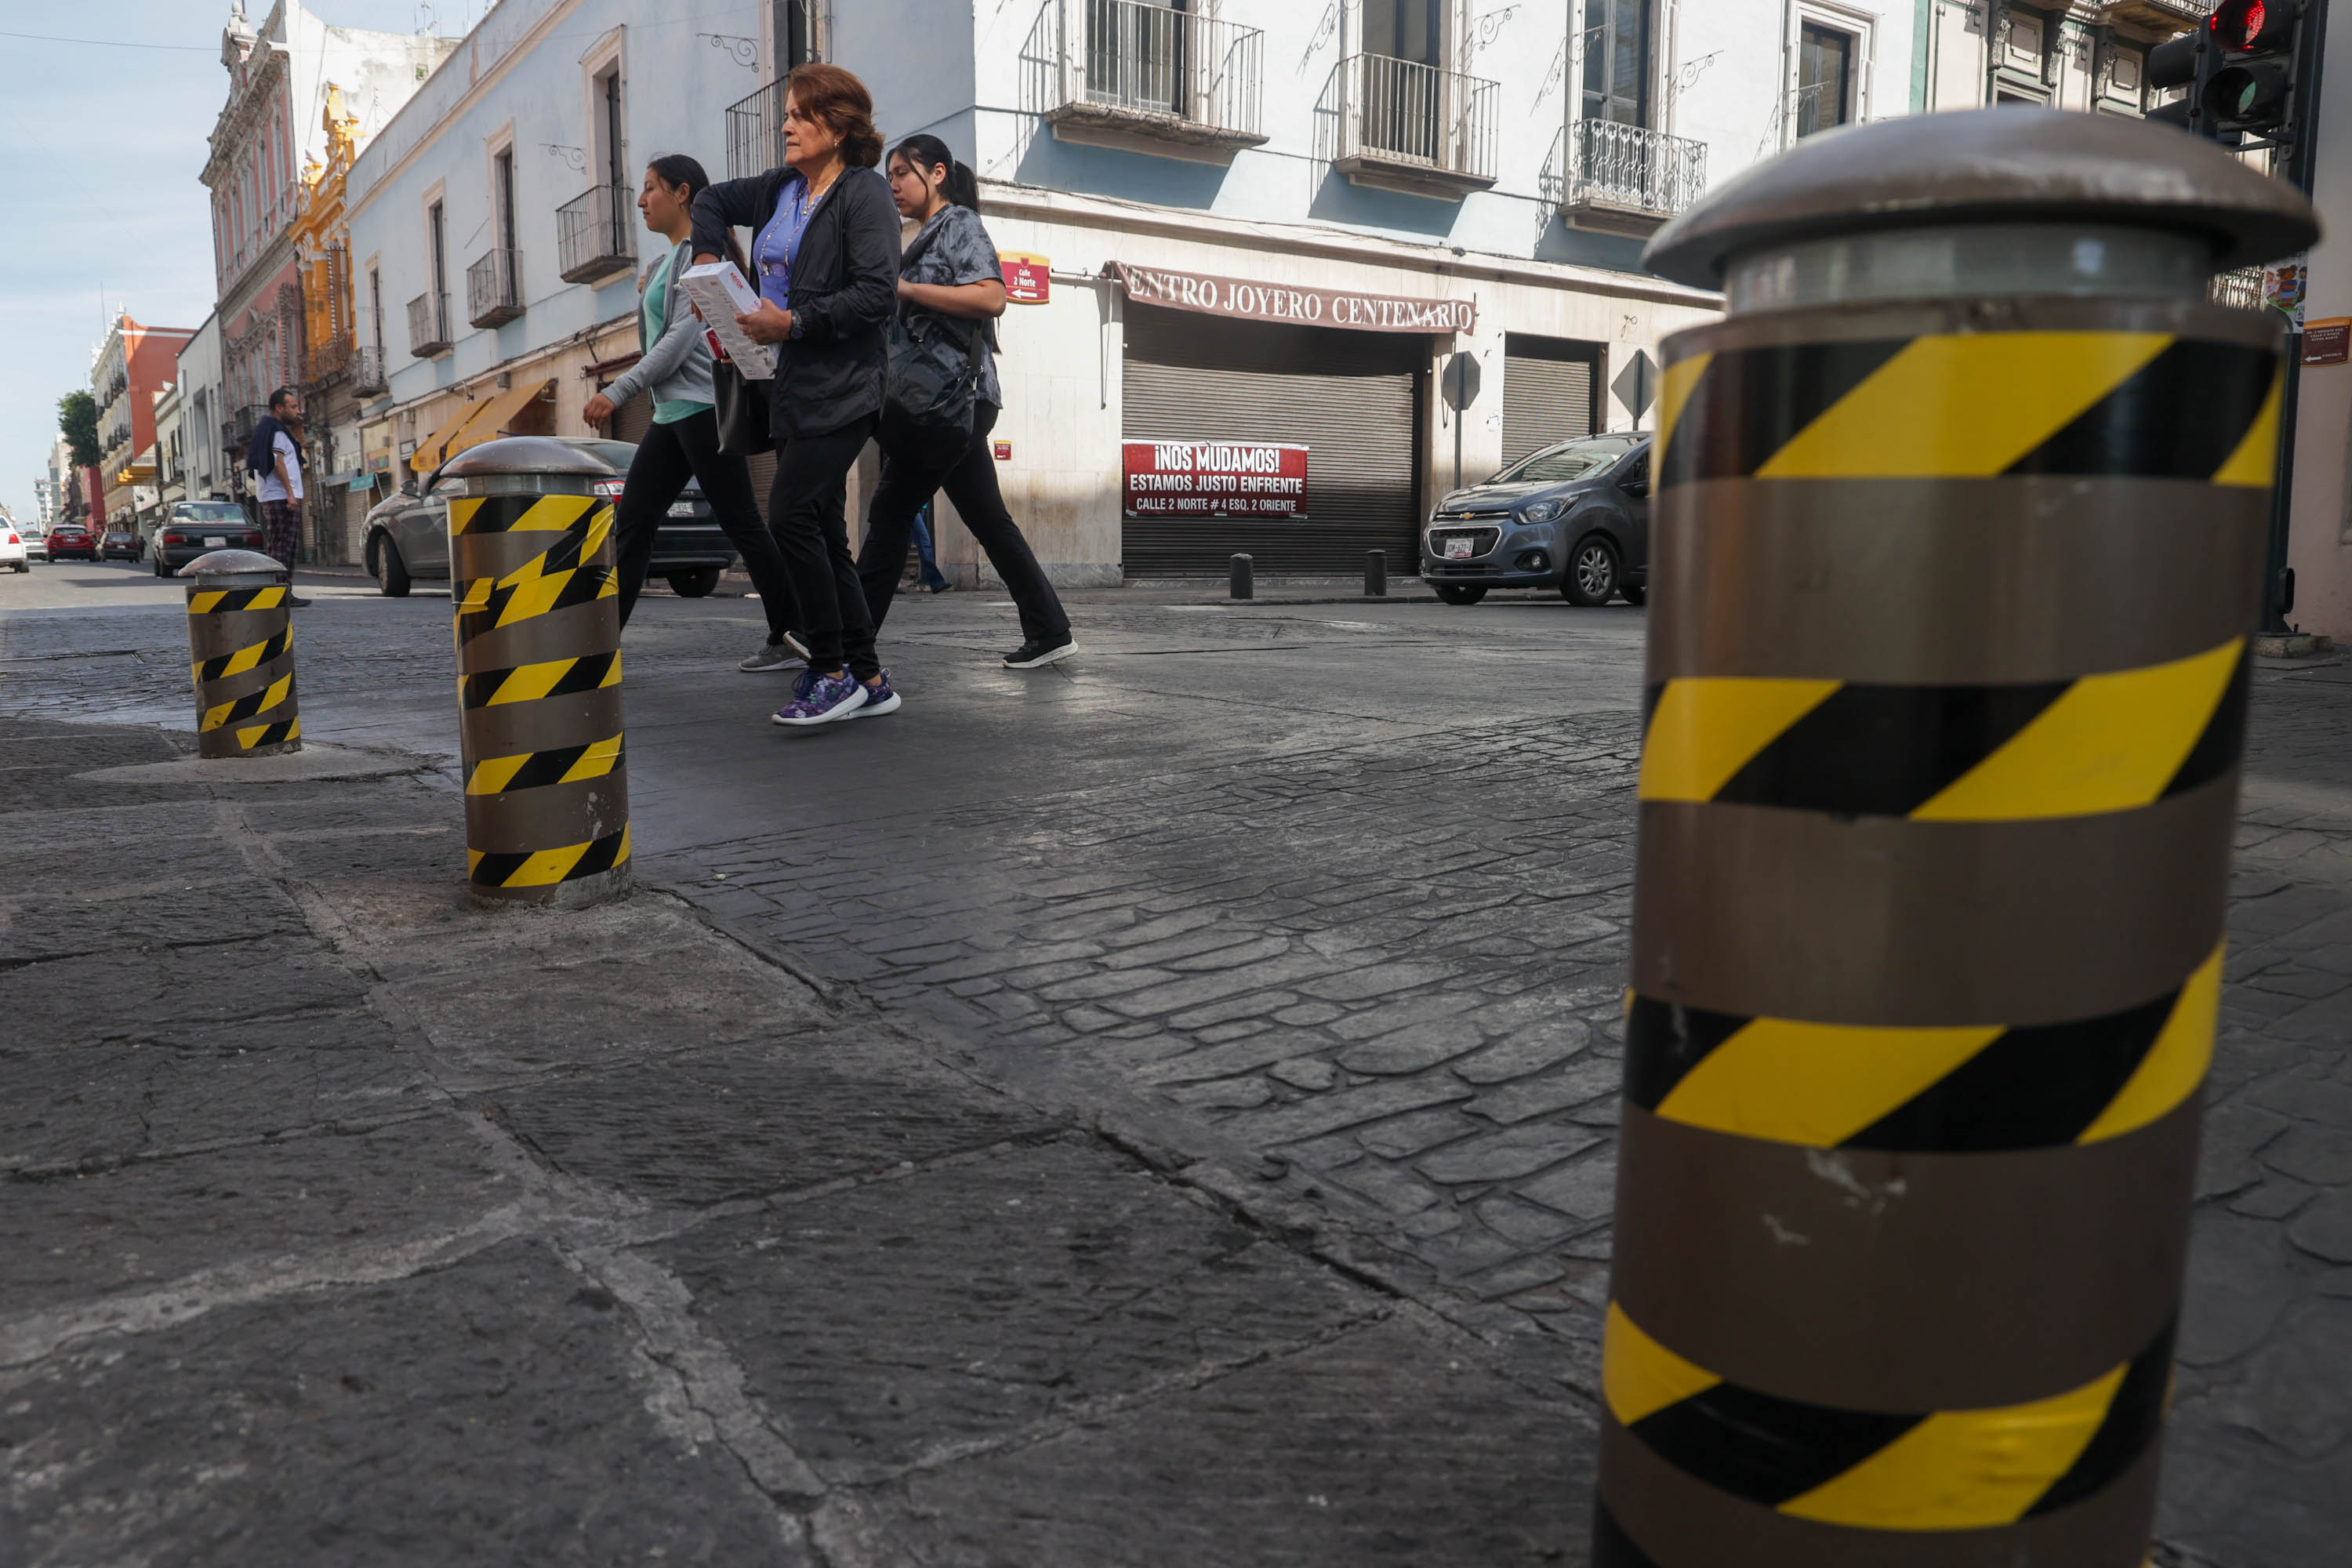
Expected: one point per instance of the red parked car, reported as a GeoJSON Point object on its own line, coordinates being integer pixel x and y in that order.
{"type": "Point", "coordinates": [72, 540]}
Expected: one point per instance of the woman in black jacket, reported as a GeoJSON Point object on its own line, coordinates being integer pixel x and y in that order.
{"type": "Point", "coordinates": [826, 249]}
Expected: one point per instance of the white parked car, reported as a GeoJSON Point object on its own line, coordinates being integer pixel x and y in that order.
{"type": "Point", "coordinates": [13, 553]}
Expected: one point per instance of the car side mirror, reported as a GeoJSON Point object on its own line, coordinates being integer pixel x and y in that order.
{"type": "Point", "coordinates": [1636, 484]}
{"type": "Point", "coordinates": [408, 487]}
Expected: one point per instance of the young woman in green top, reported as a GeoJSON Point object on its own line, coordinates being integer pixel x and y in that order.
{"type": "Point", "coordinates": [674, 370]}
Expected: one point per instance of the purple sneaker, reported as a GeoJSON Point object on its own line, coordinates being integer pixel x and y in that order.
{"type": "Point", "coordinates": [824, 698]}
{"type": "Point", "coordinates": [879, 698]}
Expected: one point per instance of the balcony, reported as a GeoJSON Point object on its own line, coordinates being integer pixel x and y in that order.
{"type": "Point", "coordinates": [322, 363]}
{"type": "Point", "coordinates": [494, 289]}
{"type": "Point", "coordinates": [236, 431]}
{"type": "Point", "coordinates": [367, 372]}
{"type": "Point", "coordinates": [1146, 78]}
{"type": "Point", "coordinates": [1628, 179]}
{"type": "Point", "coordinates": [1398, 125]}
{"type": "Point", "coordinates": [428, 326]}
{"type": "Point", "coordinates": [595, 234]}
{"type": "Point", "coordinates": [755, 137]}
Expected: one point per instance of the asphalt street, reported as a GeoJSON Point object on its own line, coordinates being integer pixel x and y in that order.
{"type": "Point", "coordinates": [1158, 1109]}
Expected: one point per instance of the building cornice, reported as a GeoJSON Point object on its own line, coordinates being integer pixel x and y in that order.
{"type": "Point", "coordinates": [475, 92]}
{"type": "Point", "coordinates": [233, 130]}
{"type": "Point", "coordinates": [1301, 239]}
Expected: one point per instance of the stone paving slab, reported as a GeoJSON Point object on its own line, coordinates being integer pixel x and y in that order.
{"type": "Point", "coordinates": [961, 1307]}
{"type": "Point", "coordinates": [487, 1412]}
{"type": "Point", "coordinates": [1319, 1458]}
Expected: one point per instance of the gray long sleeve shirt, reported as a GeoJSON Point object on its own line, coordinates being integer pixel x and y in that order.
{"type": "Point", "coordinates": [676, 369]}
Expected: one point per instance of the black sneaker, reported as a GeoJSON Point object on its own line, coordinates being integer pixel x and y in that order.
{"type": "Point", "coordinates": [294, 604]}
{"type": "Point", "coordinates": [1033, 654]}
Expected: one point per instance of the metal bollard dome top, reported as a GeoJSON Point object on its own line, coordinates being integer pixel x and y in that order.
{"type": "Point", "coordinates": [231, 563]}
{"type": "Point", "coordinates": [529, 455]}
{"type": "Point", "coordinates": [1988, 166]}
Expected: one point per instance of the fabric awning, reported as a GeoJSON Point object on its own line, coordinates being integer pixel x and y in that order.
{"type": "Point", "coordinates": [429, 454]}
{"type": "Point", "coordinates": [493, 414]}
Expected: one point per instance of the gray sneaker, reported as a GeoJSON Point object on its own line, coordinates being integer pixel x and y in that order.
{"type": "Point", "coordinates": [786, 654]}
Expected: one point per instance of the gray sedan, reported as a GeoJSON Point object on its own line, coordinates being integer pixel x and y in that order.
{"type": "Point", "coordinates": [1574, 517]}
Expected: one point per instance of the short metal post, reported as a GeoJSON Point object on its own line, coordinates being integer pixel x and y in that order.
{"type": "Point", "coordinates": [241, 655]}
{"type": "Point", "coordinates": [1241, 584]}
{"type": "Point", "coordinates": [532, 580]}
{"type": "Point", "coordinates": [1376, 573]}
{"type": "Point", "coordinates": [1928, 899]}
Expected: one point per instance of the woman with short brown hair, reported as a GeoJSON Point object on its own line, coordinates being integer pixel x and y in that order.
{"type": "Point", "coordinates": [825, 249]}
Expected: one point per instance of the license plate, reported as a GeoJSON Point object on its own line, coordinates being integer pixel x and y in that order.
{"type": "Point", "coordinates": [1458, 549]}
{"type": "Point", "coordinates": [681, 509]}
{"type": "Point", "coordinates": [214, 542]}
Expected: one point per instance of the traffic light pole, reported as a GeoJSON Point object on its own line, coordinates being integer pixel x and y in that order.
{"type": "Point", "coordinates": [2275, 596]}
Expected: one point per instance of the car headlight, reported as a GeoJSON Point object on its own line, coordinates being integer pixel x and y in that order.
{"type": "Point", "coordinates": [1541, 511]}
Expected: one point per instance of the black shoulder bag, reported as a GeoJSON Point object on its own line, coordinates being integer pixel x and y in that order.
{"type": "Point", "coordinates": [920, 391]}
{"type": "Point", "coordinates": [740, 405]}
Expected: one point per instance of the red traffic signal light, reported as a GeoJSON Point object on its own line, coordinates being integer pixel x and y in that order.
{"type": "Point", "coordinates": [2242, 25]}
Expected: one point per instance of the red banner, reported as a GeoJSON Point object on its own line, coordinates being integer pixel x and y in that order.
{"type": "Point", "coordinates": [1215, 479]}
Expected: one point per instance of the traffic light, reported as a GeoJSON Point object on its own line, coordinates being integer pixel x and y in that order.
{"type": "Point", "coordinates": [2250, 92]}
{"type": "Point", "coordinates": [2240, 70]}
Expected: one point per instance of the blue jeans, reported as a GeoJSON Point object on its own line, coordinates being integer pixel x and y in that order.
{"type": "Point", "coordinates": [932, 577]}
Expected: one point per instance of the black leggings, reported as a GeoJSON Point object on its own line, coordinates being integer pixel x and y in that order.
{"type": "Point", "coordinates": [917, 460]}
{"type": "Point", "coordinates": [805, 512]}
{"type": "Point", "coordinates": [667, 456]}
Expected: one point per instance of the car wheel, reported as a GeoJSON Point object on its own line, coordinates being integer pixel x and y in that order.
{"type": "Point", "coordinates": [1459, 592]}
{"type": "Point", "coordinates": [694, 584]}
{"type": "Point", "coordinates": [1592, 578]}
{"type": "Point", "coordinates": [1635, 593]}
{"type": "Point", "coordinates": [391, 570]}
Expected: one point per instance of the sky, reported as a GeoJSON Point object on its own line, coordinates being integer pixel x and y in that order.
{"type": "Point", "coordinates": [107, 137]}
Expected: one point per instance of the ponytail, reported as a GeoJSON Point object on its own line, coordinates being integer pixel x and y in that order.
{"type": "Point", "coordinates": [676, 170]}
{"type": "Point", "coordinates": [925, 151]}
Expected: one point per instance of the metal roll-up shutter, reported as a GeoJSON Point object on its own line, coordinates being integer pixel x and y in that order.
{"type": "Point", "coordinates": [1353, 398]}
{"type": "Point", "coordinates": [631, 419]}
{"type": "Point", "coordinates": [1547, 392]}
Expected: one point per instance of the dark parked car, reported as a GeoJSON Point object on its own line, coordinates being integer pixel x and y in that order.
{"type": "Point", "coordinates": [194, 527]}
{"type": "Point", "coordinates": [121, 544]}
{"type": "Point", "coordinates": [408, 534]}
{"type": "Point", "coordinates": [1574, 517]}
{"type": "Point", "coordinates": [71, 539]}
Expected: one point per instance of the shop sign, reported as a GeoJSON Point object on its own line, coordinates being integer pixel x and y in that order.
{"type": "Point", "coordinates": [1346, 308]}
{"type": "Point", "coordinates": [1028, 280]}
{"type": "Point", "coordinates": [2328, 342]}
{"type": "Point", "coordinates": [1215, 479]}
{"type": "Point", "coordinates": [1002, 451]}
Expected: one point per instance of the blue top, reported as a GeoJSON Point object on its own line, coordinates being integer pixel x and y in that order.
{"type": "Point", "coordinates": [779, 245]}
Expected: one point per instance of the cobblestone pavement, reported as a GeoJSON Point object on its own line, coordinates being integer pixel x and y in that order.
{"type": "Point", "coordinates": [1320, 911]}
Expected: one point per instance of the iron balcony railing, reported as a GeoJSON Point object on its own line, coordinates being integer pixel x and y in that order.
{"type": "Point", "coordinates": [1634, 166]}
{"type": "Point", "coordinates": [367, 370]}
{"type": "Point", "coordinates": [1404, 114]}
{"type": "Point", "coordinates": [596, 233]}
{"type": "Point", "coordinates": [494, 289]}
{"type": "Point", "coordinates": [428, 326]}
{"type": "Point", "coordinates": [325, 361]}
{"type": "Point", "coordinates": [1154, 61]}
{"type": "Point", "coordinates": [236, 431]}
{"type": "Point", "coordinates": [755, 133]}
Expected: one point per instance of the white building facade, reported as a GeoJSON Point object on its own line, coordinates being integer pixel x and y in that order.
{"type": "Point", "coordinates": [1378, 189]}
{"type": "Point", "coordinates": [1275, 223]}
{"type": "Point", "coordinates": [494, 234]}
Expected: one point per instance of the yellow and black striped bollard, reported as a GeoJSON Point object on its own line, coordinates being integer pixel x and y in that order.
{"type": "Point", "coordinates": [241, 655]}
{"type": "Point", "coordinates": [1959, 528]}
{"type": "Point", "coordinates": [532, 563]}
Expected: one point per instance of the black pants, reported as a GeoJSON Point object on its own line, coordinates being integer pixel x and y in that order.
{"type": "Point", "coordinates": [667, 456]}
{"type": "Point", "coordinates": [805, 512]}
{"type": "Point", "coordinates": [917, 462]}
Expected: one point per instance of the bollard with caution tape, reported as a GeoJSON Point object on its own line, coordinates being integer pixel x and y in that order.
{"type": "Point", "coordinates": [241, 655]}
{"type": "Point", "coordinates": [538, 628]}
{"type": "Point", "coordinates": [1959, 520]}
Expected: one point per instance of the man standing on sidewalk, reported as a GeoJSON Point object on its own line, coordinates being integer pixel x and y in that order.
{"type": "Point", "coordinates": [281, 484]}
